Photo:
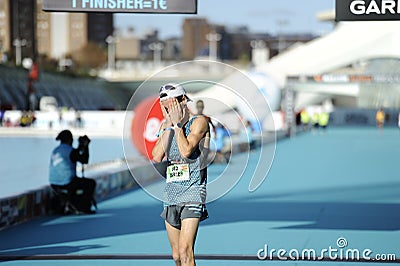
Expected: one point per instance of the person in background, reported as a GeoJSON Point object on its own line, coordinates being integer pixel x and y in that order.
{"type": "Point", "coordinates": [223, 151]}
{"type": "Point", "coordinates": [324, 120]}
{"type": "Point", "coordinates": [78, 119]}
{"type": "Point", "coordinates": [60, 117]}
{"type": "Point", "coordinates": [2, 113]}
{"type": "Point", "coordinates": [27, 119]}
{"type": "Point", "coordinates": [315, 120]}
{"type": "Point", "coordinates": [398, 121]}
{"type": "Point", "coordinates": [305, 119]}
{"type": "Point", "coordinates": [247, 140]}
{"type": "Point", "coordinates": [200, 111]}
{"type": "Point", "coordinates": [200, 107]}
{"type": "Point", "coordinates": [380, 118]}
{"type": "Point", "coordinates": [62, 172]}
{"type": "Point", "coordinates": [213, 133]}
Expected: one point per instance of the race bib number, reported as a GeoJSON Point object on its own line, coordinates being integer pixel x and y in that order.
{"type": "Point", "coordinates": [178, 173]}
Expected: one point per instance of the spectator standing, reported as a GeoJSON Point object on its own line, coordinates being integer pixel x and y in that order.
{"type": "Point", "coordinates": [305, 119]}
{"type": "Point", "coordinates": [324, 120]}
{"type": "Point", "coordinates": [380, 118]}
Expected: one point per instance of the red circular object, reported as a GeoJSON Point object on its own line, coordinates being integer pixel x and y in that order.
{"type": "Point", "coordinates": [146, 123]}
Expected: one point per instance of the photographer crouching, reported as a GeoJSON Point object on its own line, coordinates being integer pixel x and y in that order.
{"type": "Point", "coordinates": [79, 192]}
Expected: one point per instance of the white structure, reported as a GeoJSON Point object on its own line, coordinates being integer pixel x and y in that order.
{"type": "Point", "coordinates": [350, 44]}
{"type": "Point", "coordinates": [348, 48]}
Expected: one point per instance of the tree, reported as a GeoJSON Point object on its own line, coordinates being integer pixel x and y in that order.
{"type": "Point", "coordinates": [91, 56]}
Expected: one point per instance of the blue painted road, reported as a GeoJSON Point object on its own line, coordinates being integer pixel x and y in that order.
{"type": "Point", "coordinates": [335, 190]}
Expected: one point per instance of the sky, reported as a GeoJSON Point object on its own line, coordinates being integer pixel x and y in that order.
{"type": "Point", "coordinates": [260, 16]}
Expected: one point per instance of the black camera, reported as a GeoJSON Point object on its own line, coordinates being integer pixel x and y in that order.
{"type": "Point", "coordinates": [83, 140]}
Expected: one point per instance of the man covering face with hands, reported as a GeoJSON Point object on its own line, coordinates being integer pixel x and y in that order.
{"type": "Point", "coordinates": [183, 142]}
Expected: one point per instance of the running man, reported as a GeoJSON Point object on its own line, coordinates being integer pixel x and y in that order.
{"type": "Point", "coordinates": [184, 141]}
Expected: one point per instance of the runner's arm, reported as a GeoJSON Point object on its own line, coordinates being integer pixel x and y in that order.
{"type": "Point", "coordinates": [162, 144]}
{"type": "Point", "coordinates": [198, 130]}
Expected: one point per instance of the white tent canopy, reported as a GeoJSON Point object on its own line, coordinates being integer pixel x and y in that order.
{"type": "Point", "coordinates": [349, 43]}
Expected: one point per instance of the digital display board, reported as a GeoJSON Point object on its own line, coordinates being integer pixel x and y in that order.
{"type": "Point", "coordinates": [367, 10]}
{"type": "Point", "coordinates": [122, 6]}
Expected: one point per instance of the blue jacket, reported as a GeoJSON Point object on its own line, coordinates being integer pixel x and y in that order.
{"type": "Point", "coordinates": [62, 168]}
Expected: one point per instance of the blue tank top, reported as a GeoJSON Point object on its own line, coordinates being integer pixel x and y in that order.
{"type": "Point", "coordinates": [194, 189]}
{"type": "Point", "coordinates": [62, 169]}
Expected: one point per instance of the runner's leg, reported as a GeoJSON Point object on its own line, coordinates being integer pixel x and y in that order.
{"type": "Point", "coordinates": [173, 237]}
{"type": "Point", "coordinates": [187, 239]}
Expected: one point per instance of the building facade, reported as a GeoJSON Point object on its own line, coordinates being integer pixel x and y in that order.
{"type": "Point", "coordinates": [17, 27]}
{"type": "Point", "coordinates": [194, 38]}
{"type": "Point", "coordinates": [55, 35]}
{"type": "Point", "coordinates": [99, 27]}
{"type": "Point", "coordinates": [5, 18]}
{"type": "Point", "coordinates": [127, 48]}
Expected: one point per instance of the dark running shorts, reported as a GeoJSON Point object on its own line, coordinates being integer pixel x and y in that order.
{"type": "Point", "coordinates": [174, 214]}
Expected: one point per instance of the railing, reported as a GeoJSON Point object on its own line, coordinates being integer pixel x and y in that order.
{"type": "Point", "coordinates": [29, 205]}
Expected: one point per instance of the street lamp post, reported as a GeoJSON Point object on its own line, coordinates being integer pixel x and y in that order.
{"type": "Point", "coordinates": [213, 39]}
{"type": "Point", "coordinates": [281, 42]}
{"type": "Point", "coordinates": [156, 47]}
{"type": "Point", "coordinates": [111, 40]}
{"type": "Point", "coordinates": [259, 52]}
{"type": "Point", "coordinates": [18, 43]}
